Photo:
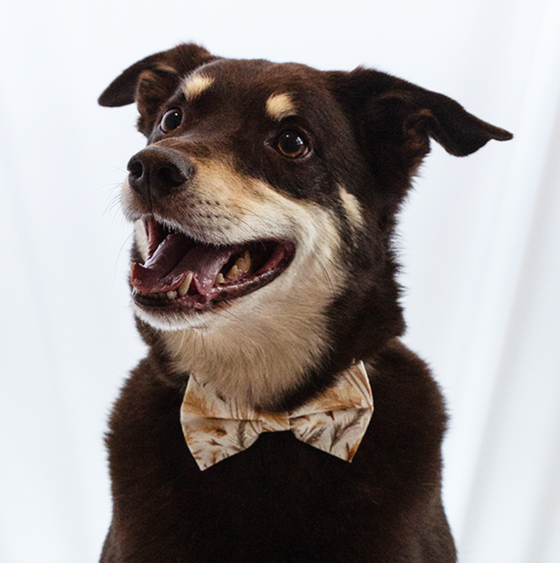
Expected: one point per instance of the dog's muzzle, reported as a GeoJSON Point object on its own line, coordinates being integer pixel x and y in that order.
{"type": "Point", "coordinates": [185, 270]}
{"type": "Point", "coordinates": [157, 172]}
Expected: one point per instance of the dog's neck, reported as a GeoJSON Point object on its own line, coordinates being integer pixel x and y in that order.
{"type": "Point", "coordinates": [258, 361]}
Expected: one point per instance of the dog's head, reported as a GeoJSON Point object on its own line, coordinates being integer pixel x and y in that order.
{"type": "Point", "coordinates": [264, 206]}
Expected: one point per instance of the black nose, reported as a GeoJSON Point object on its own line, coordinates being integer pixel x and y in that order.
{"type": "Point", "coordinates": [157, 172]}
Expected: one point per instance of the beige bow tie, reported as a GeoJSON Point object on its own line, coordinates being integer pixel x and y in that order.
{"type": "Point", "coordinates": [335, 422]}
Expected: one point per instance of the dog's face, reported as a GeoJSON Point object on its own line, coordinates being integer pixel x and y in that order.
{"type": "Point", "coordinates": [263, 208]}
{"type": "Point", "coordinates": [232, 200]}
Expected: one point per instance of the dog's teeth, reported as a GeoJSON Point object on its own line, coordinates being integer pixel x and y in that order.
{"type": "Point", "coordinates": [171, 295]}
{"type": "Point", "coordinates": [233, 273]}
{"type": "Point", "coordinates": [185, 286]}
{"type": "Point", "coordinates": [243, 263]}
{"type": "Point", "coordinates": [219, 279]}
{"type": "Point", "coordinates": [242, 266]}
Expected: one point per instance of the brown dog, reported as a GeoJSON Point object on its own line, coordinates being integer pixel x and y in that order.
{"type": "Point", "coordinates": [263, 281]}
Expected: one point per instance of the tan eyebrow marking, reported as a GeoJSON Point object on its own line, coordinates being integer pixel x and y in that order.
{"type": "Point", "coordinates": [194, 86]}
{"type": "Point", "coordinates": [279, 106]}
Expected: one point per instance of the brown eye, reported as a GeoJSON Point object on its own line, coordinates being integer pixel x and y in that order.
{"type": "Point", "coordinates": [171, 120]}
{"type": "Point", "coordinates": [292, 144]}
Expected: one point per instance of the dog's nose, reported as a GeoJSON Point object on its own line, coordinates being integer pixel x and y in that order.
{"type": "Point", "coordinates": [156, 172]}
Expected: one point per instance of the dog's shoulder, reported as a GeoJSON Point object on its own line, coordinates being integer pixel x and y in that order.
{"type": "Point", "coordinates": [409, 420]}
{"type": "Point", "coordinates": [397, 371]}
{"type": "Point", "coordinates": [144, 437]}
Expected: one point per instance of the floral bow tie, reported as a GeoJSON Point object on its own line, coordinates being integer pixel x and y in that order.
{"type": "Point", "coordinates": [335, 422]}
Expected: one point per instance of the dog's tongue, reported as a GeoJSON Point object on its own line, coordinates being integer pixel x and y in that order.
{"type": "Point", "coordinates": [174, 259]}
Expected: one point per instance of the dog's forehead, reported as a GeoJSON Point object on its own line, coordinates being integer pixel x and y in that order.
{"type": "Point", "coordinates": [280, 89]}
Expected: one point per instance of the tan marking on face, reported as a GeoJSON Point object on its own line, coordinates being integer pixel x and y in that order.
{"type": "Point", "coordinates": [194, 86]}
{"type": "Point", "coordinates": [279, 106]}
{"type": "Point", "coordinates": [241, 350]}
{"type": "Point", "coordinates": [352, 208]}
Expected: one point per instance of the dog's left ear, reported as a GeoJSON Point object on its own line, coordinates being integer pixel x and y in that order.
{"type": "Point", "coordinates": [392, 116]}
{"type": "Point", "coordinates": [152, 80]}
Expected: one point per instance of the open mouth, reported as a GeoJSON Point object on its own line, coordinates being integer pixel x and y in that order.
{"type": "Point", "coordinates": [182, 273]}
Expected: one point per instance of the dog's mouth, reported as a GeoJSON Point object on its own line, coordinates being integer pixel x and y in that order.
{"type": "Point", "coordinates": [183, 273]}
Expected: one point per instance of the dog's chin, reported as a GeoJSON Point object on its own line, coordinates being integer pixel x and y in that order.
{"type": "Point", "coordinates": [169, 321]}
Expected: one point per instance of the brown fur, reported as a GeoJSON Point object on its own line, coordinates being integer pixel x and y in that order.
{"type": "Point", "coordinates": [283, 501]}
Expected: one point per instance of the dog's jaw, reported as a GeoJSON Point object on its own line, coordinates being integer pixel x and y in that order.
{"type": "Point", "coordinates": [259, 347]}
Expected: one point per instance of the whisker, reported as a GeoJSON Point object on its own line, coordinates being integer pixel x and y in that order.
{"type": "Point", "coordinates": [117, 260]}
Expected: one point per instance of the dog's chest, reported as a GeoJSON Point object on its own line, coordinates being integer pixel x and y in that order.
{"type": "Point", "coordinates": [280, 496]}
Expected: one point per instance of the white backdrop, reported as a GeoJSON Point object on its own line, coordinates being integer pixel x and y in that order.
{"type": "Point", "coordinates": [486, 227]}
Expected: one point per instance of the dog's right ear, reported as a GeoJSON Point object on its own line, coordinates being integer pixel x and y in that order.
{"type": "Point", "coordinates": [152, 80]}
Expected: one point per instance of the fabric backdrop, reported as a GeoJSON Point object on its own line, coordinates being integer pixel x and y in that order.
{"type": "Point", "coordinates": [479, 242]}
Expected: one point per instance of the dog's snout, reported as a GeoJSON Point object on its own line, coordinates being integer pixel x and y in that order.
{"type": "Point", "coordinates": [156, 172]}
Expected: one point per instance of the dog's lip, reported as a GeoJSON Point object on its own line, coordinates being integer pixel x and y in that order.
{"type": "Point", "coordinates": [182, 273]}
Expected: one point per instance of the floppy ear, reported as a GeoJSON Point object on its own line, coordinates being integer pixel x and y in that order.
{"type": "Point", "coordinates": [395, 119]}
{"type": "Point", "coordinates": [152, 80]}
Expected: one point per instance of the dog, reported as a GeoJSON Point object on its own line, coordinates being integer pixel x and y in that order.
{"type": "Point", "coordinates": [277, 417]}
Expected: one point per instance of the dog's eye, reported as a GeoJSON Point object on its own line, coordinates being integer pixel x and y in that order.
{"type": "Point", "coordinates": [292, 144]}
{"type": "Point", "coordinates": [171, 120]}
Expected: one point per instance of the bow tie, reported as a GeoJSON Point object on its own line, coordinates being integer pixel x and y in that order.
{"type": "Point", "coordinates": [216, 428]}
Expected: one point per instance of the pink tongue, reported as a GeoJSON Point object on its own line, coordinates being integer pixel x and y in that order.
{"type": "Point", "coordinates": [174, 258]}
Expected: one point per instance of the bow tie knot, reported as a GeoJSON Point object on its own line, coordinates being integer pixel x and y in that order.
{"type": "Point", "coordinates": [335, 422]}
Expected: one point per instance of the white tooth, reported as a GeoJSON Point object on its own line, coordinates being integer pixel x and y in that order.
{"type": "Point", "coordinates": [244, 262]}
{"type": "Point", "coordinates": [233, 273]}
{"type": "Point", "coordinates": [185, 286]}
{"type": "Point", "coordinates": [171, 295]}
{"type": "Point", "coordinates": [219, 279]}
